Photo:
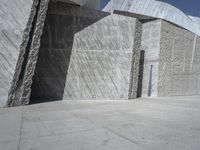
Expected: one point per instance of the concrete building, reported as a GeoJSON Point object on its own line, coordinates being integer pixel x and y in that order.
{"type": "Point", "coordinates": [171, 43]}
{"type": "Point", "coordinates": [70, 50]}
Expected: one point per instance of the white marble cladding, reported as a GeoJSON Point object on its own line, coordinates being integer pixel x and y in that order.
{"type": "Point", "coordinates": [100, 63]}
{"type": "Point", "coordinates": [155, 9]}
{"type": "Point", "coordinates": [14, 16]}
{"type": "Point", "coordinates": [151, 32]}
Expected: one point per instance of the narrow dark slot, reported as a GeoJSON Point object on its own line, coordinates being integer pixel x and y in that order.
{"type": "Point", "coordinates": [31, 34]}
{"type": "Point", "coordinates": [150, 81]}
{"type": "Point", "coordinates": [141, 71]}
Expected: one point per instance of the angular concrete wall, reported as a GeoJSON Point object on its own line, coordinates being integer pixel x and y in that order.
{"type": "Point", "coordinates": [86, 54]}
{"type": "Point", "coordinates": [101, 61]}
{"type": "Point", "coordinates": [21, 85]}
{"type": "Point", "coordinates": [179, 69]}
{"type": "Point", "coordinates": [62, 22]}
{"type": "Point", "coordinates": [14, 16]}
{"type": "Point", "coordinates": [151, 34]}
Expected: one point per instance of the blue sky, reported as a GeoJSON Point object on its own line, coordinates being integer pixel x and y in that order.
{"type": "Point", "coordinates": [103, 3]}
{"type": "Point", "coordinates": [190, 7]}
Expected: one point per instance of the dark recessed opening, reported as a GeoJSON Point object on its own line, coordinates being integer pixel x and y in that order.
{"type": "Point", "coordinates": [141, 71]}
{"type": "Point", "coordinates": [150, 81]}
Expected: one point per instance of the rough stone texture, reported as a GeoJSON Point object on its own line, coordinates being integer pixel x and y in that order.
{"type": "Point", "coordinates": [151, 32]}
{"type": "Point", "coordinates": [174, 53]}
{"type": "Point", "coordinates": [14, 15]}
{"type": "Point", "coordinates": [16, 82]}
{"type": "Point", "coordinates": [179, 62]}
{"type": "Point", "coordinates": [33, 55]}
{"type": "Point", "coordinates": [22, 93]}
{"type": "Point", "coordinates": [135, 62]}
{"type": "Point", "coordinates": [96, 47]}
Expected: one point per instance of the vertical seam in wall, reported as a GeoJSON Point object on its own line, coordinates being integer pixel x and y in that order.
{"type": "Point", "coordinates": [134, 72]}
{"type": "Point", "coordinates": [23, 46]}
{"type": "Point", "coordinates": [20, 91]}
{"type": "Point", "coordinates": [160, 42]}
{"type": "Point", "coordinates": [193, 51]}
{"type": "Point", "coordinates": [173, 55]}
{"type": "Point", "coordinates": [33, 55]}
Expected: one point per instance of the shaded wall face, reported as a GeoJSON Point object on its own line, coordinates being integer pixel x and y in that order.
{"type": "Point", "coordinates": [13, 17]}
{"type": "Point", "coordinates": [179, 69]}
{"type": "Point", "coordinates": [62, 22]}
{"type": "Point", "coordinates": [151, 45]}
{"type": "Point", "coordinates": [94, 4]}
{"type": "Point", "coordinates": [86, 54]}
{"type": "Point", "coordinates": [53, 59]}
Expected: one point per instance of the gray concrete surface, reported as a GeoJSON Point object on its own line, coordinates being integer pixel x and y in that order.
{"type": "Point", "coordinates": [21, 28]}
{"type": "Point", "coordinates": [151, 35]}
{"type": "Point", "coordinates": [174, 54]}
{"type": "Point", "coordinates": [14, 15]}
{"type": "Point", "coordinates": [179, 62]}
{"type": "Point", "coordinates": [105, 60]}
{"type": "Point", "coordinates": [95, 4]}
{"type": "Point", "coordinates": [143, 124]}
{"type": "Point", "coordinates": [21, 85]}
{"type": "Point", "coordinates": [87, 54]}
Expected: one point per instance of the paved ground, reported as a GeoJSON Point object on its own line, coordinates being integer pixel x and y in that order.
{"type": "Point", "coordinates": [145, 124]}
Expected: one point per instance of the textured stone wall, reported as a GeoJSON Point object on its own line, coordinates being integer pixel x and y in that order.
{"type": "Point", "coordinates": [179, 68]}
{"type": "Point", "coordinates": [20, 91]}
{"type": "Point", "coordinates": [135, 62]}
{"type": "Point", "coordinates": [101, 60]}
{"type": "Point", "coordinates": [151, 32]}
{"type": "Point", "coordinates": [14, 16]}
{"type": "Point", "coordinates": [86, 54]}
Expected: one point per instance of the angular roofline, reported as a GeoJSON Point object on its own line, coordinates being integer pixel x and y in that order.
{"type": "Point", "coordinates": [155, 9]}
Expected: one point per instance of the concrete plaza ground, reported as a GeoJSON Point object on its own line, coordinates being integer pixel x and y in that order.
{"type": "Point", "coordinates": [143, 124]}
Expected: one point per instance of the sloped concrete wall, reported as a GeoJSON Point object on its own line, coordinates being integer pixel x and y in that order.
{"type": "Point", "coordinates": [179, 68]}
{"type": "Point", "coordinates": [101, 60]}
{"type": "Point", "coordinates": [151, 32]}
{"type": "Point", "coordinates": [87, 54]}
{"type": "Point", "coordinates": [14, 15]}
